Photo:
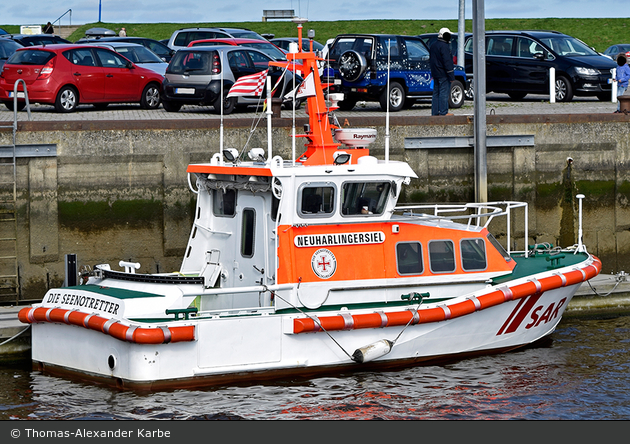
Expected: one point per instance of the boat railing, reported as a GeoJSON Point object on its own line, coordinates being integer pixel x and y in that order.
{"type": "Point", "coordinates": [472, 214]}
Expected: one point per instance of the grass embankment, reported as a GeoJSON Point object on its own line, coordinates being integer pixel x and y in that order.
{"type": "Point", "coordinates": [598, 33]}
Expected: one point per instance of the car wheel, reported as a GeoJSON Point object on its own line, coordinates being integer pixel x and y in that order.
{"type": "Point", "coordinates": [352, 65]}
{"type": "Point", "coordinates": [456, 98]}
{"type": "Point", "coordinates": [347, 104]}
{"type": "Point", "coordinates": [564, 91]}
{"type": "Point", "coordinates": [171, 107]}
{"type": "Point", "coordinates": [395, 96]}
{"type": "Point", "coordinates": [228, 105]}
{"type": "Point", "coordinates": [20, 105]}
{"type": "Point", "coordinates": [67, 100]}
{"type": "Point", "coordinates": [517, 95]}
{"type": "Point", "coordinates": [150, 96]}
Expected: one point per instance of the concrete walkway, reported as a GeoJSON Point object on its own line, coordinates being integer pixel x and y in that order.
{"type": "Point", "coordinates": [496, 104]}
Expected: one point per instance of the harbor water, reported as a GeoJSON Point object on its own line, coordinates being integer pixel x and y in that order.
{"type": "Point", "coordinates": [580, 372]}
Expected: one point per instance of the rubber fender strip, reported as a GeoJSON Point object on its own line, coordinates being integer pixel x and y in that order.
{"type": "Point", "coordinates": [112, 327]}
{"type": "Point", "coordinates": [443, 312]}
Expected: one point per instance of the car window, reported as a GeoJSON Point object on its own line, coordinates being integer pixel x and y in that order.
{"type": "Point", "coordinates": [109, 59]}
{"type": "Point", "coordinates": [31, 57]}
{"type": "Point", "coordinates": [568, 46]}
{"type": "Point", "coordinates": [499, 45]}
{"type": "Point", "coordinates": [81, 57]}
{"type": "Point", "coordinates": [7, 48]}
{"type": "Point", "coordinates": [363, 45]}
{"type": "Point", "coordinates": [138, 54]}
{"type": "Point", "coordinates": [260, 61]}
{"type": "Point", "coordinates": [416, 51]}
{"type": "Point", "coordinates": [239, 61]}
{"type": "Point", "coordinates": [191, 61]}
{"type": "Point", "coordinates": [185, 37]}
{"type": "Point", "coordinates": [268, 49]}
{"type": "Point", "coordinates": [528, 48]}
{"type": "Point", "coordinates": [385, 44]}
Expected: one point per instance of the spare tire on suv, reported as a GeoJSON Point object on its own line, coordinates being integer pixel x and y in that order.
{"type": "Point", "coordinates": [360, 63]}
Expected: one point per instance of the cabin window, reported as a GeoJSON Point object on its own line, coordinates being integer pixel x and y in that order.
{"type": "Point", "coordinates": [473, 254]}
{"type": "Point", "coordinates": [224, 203]}
{"type": "Point", "coordinates": [409, 258]}
{"type": "Point", "coordinates": [317, 201]}
{"type": "Point", "coordinates": [247, 233]}
{"type": "Point", "coordinates": [499, 247]}
{"type": "Point", "coordinates": [364, 198]}
{"type": "Point", "coordinates": [442, 256]}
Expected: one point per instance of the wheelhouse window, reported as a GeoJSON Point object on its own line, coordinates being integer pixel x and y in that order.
{"type": "Point", "coordinates": [442, 256]}
{"type": "Point", "coordinates": [247, 233]}
{"type": "Point", "coordinates": [473, 254]}
{"type": "Point", "coordinates": [317, 201]}
{"type": "Point", "coordinates": [364, 198]}
{"type": "Point", "coordinates": [409, 258]}
{"type": "Point", "coordinates": [224, 203]}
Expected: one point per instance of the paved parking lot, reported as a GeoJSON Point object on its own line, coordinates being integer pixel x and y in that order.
{"type": "Point", "coordinates": [495, 104]}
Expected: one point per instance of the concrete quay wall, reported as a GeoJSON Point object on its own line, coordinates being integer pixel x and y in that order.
{"type": "Point", "coordinates": [117, 190]}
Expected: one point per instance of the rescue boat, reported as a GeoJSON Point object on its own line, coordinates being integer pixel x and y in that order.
{"type": "Point", "coordinates": [303, 266]}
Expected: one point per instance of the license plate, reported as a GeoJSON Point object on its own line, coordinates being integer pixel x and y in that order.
{"type": "Point", "coordinates": [184, 90]}
{"type": "Point", "coordinates": [19, 94]}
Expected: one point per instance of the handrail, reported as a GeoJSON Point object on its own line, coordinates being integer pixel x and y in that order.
{"type": "Point", "coordinates": [62, 15]}
{"type": "Point", "coordinates": [475, 213]}
{"type": "Point", "coordinates": [15, 97]}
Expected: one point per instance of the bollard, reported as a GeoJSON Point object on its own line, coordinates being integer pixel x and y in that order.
{"type": "Point", "coordinates": [552, 85]}
{"type": "Point", "coordinates": [276, 106]}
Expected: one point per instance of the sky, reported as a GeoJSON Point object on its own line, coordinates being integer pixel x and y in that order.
{"type": "Point", "coordinates": [31, 12]}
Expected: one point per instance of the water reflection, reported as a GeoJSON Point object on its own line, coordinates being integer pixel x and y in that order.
{"type": "Point", "coordinates": [580, 373]}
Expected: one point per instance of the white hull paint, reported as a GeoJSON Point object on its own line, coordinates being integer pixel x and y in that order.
{"type": "Point", "coordinates": [248, 347]}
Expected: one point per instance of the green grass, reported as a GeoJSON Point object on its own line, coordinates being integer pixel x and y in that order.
{"type": "Point", "coordinates": [599, 33]}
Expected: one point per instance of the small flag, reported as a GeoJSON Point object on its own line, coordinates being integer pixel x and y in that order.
{"type": "Point", "coordinates": [305, 89]}
{"type": "Point", "coordinates": [251, 85]}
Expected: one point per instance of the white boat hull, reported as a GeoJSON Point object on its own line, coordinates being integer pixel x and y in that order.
{"type": "Point", "coordinates": [227, 349]}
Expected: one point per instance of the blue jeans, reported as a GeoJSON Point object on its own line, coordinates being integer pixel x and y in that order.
{"type": "Point", "coordinates": [441, 91]}
{"type": "Point", "coordinates": [620, 91]}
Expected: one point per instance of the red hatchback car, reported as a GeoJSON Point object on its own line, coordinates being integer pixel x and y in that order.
{"type": "Point", "coordinates": [65, 75]}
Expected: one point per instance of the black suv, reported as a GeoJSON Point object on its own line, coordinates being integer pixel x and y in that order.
{"type": "Point", "coordinates": [518, 62]}
{"type": "Point", "coordinates": [359, 62]}
{"type": "Point", "coordinates": [35, 39]}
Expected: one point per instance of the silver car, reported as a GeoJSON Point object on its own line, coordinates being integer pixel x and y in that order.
{"type": "Point", "coordinates": [138, 54]}
{"type": "Point", "coordinates": [193, 77]}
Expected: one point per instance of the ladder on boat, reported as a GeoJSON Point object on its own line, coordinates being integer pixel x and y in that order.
{"type": "Point", "coordinates": [9, 276]}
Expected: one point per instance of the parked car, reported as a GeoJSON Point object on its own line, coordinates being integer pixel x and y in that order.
{"type": "Point", "coordinates": [194, 77]}
{"type": "Point", "coordinates": [182, 37]}
{"type": "Point", "coordinates": [161, 49]}
{"type": "Point", "coordinates": [284, 42]}
{"type": "Point", "coordinates": [2, 31]}
{"type": "Point", "coordinates": [267, 47]}
{"type": "Point", "coordinates": [359, 61]}
{"type": "Point", "coordinates": [35, 39]}
{"type": "Point", "coordinates": [138, 54]}
{"type": "Point", "coordinates": [518, 62]}
{"type": "Point", "coordinates": [67, 75]}
{"type": "Point", "coordinates": [614, 50]}
{"type": "Point", "coordinates": [7, 48]}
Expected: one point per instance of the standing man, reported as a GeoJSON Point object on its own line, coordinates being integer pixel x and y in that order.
{"type": "Point", "coordinates": [122, 33]}
{"type": "Point", "coordinates": [442, 69]}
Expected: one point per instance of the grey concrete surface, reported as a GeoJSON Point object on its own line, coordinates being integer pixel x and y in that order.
{"type": "Point", "coordinates": [497, 104]}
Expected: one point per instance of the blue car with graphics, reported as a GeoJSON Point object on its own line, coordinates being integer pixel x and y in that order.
{"type": "Point", "coordinates": [357, 67]}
